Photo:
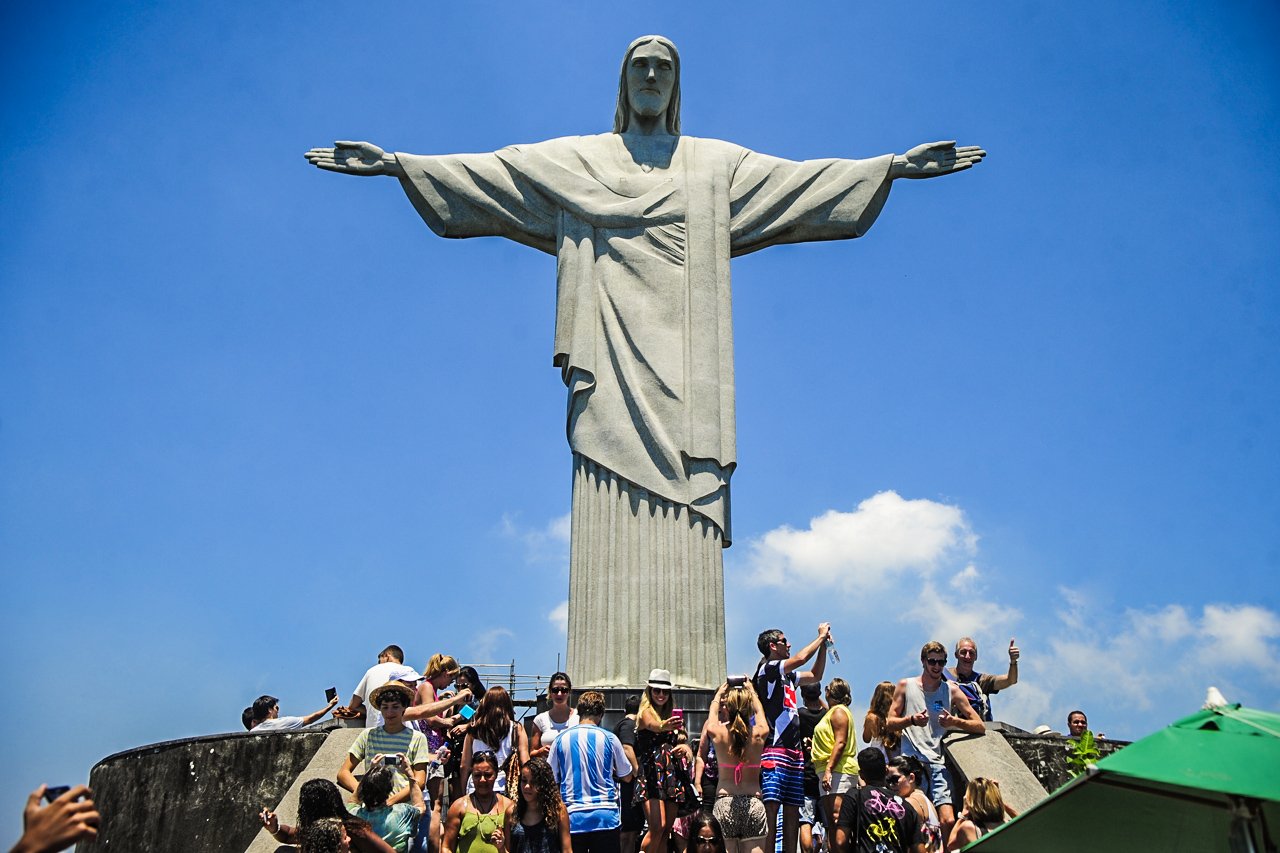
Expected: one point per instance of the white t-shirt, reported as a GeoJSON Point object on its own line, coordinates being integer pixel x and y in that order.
{"type": "Point", "coordinates": [279, 724]}
{"type": "Point", "coordinates": [376, 676]}
{"type": "Point", "coordinates": [549, 728]}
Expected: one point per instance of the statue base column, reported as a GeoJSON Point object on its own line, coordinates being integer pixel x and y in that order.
{"type": "Point", "coordinates": [646, 586]}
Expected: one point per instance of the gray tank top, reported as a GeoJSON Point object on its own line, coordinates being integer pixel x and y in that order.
{"type": "Point", "coordinates": [927, 740]}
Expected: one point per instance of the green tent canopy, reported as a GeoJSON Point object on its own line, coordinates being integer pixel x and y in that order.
{"type": "Point", "coordinates": [1203, 784]}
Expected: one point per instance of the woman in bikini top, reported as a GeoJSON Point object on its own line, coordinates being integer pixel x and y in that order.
{"type": "Point", "coordinates": [738, 728]}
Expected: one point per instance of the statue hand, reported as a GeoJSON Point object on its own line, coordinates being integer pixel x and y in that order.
{"type": "Point", "coordinates": [354, 158]}
{"type": "Point", "coordinates": [936, 158]}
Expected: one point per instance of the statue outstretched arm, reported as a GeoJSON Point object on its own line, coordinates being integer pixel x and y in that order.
{"type": "Point", "coordinates": [935, 158]}
{"type": "Point", "coordinates": [355, 158]}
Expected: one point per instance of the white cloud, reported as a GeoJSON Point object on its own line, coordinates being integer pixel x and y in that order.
{"type": "Point", "coordinates": [1241, 633]}
{"type": "Point", "coordinates": [884, 538]}
{"type": "Point", "coordinates": [485, 645]}
{"type": "Point", "coordinates": [965, 578]}
{"type": "Point", "coordinates": [546, 544]}
{"type": "Point", "coordinates": [559, 617]}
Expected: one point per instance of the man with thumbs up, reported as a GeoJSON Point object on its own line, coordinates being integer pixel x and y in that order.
{"type": "Point", "coordinates": [978, 686]}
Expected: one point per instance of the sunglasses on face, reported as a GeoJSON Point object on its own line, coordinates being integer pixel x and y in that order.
{"type": "Point", "coordinates": [559, 691]}
{"type": "Point", "coordinates": [936, 661]}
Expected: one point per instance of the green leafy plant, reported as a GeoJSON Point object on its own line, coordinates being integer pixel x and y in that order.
{"type": "Point", "coordinates": [1082, 753]}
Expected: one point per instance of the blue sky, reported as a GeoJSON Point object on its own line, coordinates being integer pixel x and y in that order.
{"type": "Point", "coordinates": [246, 405]}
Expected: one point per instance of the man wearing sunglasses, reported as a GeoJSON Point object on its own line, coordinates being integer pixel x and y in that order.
{"type": "Point", "coordinates": [924, 707]}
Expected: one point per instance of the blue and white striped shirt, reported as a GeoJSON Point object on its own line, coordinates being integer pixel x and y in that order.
{"type": "Point", "coordinates": [587, 761]}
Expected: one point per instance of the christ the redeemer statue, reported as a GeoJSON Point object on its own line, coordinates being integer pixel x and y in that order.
{"type": "Point", "coordinates": [642, 222]}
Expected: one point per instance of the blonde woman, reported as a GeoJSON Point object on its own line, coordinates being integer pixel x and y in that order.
{"type": "Point", "coordinates": [834, 754]}
{"type": "Point", "coordinates": [739, 729]}
{"type": "Point", "coordinates": [983, 811]}
{"type": "Point", "coordinates": [656, 728]}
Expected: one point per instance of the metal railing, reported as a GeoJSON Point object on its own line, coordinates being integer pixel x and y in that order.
{"type": "Point", "coordinates": [524, 689]}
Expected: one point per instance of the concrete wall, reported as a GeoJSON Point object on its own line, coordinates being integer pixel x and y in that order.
{"type": "Point", "coordinates": [1046, 756]}
{"type": "Point", "coordinates": [195, 795]}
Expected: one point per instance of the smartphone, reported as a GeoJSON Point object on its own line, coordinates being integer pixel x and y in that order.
{"type": "Point", "coordinates": [52, 793]}
{"type": "Point", "coordinates": [678, 713]}
{"type": "Point", "coordinates": [466, 712]}
{"type": "Point", "coordinates": [331, 694]}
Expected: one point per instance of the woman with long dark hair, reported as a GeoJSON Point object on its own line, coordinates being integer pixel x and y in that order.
{"type": "Point", "coordinates": [903, 777]}
{"type": "Point", "coordinates": [320, 799]}
{"type": "Point", "coordinates": [560, 716]}
{"type": "Point", "coordinates": [705, 834]}
{"type": "Point", "coordinates": [539, 823]}
{"type": "Point", "coordinates": [875, 725]}
{"type": "Point", "coordinates": [494, 729]}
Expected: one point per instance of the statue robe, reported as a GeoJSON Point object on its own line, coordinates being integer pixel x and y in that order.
{"type": "Point", "coordinates": [644, 341]}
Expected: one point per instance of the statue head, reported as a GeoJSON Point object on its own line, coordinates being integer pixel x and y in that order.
{"type": "Point", "coordinates": [663, 94]}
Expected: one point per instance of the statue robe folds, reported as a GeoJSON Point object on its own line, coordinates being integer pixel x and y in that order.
{"type": "Point", "coordinates": [644, 340]}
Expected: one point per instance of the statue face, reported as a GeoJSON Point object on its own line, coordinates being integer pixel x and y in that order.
{"type": "Point", "coordinates": [651, 75]}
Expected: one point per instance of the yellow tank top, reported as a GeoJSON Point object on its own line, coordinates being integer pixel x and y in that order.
{"type": "Point", "coordinates": [824, 738]}
{"type": "Point", "coordinates": [476, 832]}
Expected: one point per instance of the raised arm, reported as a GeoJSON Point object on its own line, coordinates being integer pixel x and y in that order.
{"type": "Point", "coordinates": [934, 159]}
{"type": "Point", "coordinates": [315, 715]}
{"type": "Point", "coordinates": [431, 709]}
{"type": "Point", "coordinates": [355, 158]}
{"type": "Point", "coordinates": [818, 647]}
{"type": "Point", "coordinates": [1000, 682]}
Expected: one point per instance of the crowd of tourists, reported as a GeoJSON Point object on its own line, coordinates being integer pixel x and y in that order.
{"type": "Point", "coordinates": [444, 766]}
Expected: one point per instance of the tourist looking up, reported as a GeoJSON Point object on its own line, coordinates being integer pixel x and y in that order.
{"type": "Point", "coordinates": [776, 680]}
{"type": "Point", "coordinates": [983, 811]}
{"type": "Point", "coordinates": [539, 822]}
{"type": "Point", "coordinates": [395, 824]}
{"type": "Point", "coordinates": [656, 729]}
{"type": "Point", "coordinates": [494, 729]}
{"type": "Point", "coordinates": [875, 728]}
{"type": "Point", "coordinates": [476, 820]}
{"type": "Point", "coordinates": [977, 686]}
{"type": "Point", "coordinates": [812, 709]}
{"type": "Point", "coordinates": [588, 762]}
{"type": "Point", "coordinates": [834, 755]}
{"type": "Point", "coordinates": [392, 739]}
{"type": "Point", "coordinates": [266, 715]}
{"type": "Point", "coordinates": [921, 711]}
{"type": "Point", "coordinates": [390, 660]}
{"type": "Point", "coordinates": [739, 730]}
{"type": "Point", "coordinates": [320, 799]}
{"type": "Point", "coordinates": [877, 820]}
{"type": "Point", "coordinates": [560, 716]}
{"type": "Point", "coordinates": [903, 777]}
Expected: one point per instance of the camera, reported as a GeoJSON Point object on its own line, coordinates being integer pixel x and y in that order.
{"type": "Point", "coordinates": [737, 681]}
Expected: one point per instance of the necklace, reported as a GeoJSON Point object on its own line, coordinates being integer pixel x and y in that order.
{"type": "Point", "coordinates": [493, 801]}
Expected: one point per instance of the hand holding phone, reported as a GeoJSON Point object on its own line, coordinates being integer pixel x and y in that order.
{"type": "Point", "coordinates": [331, 694]}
